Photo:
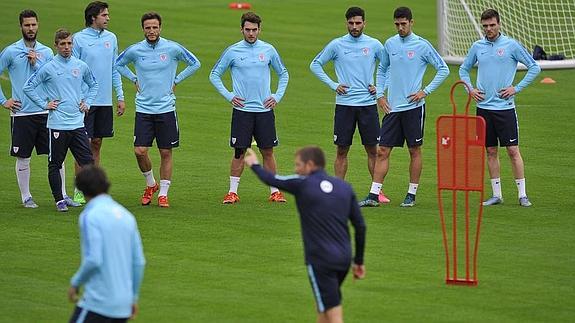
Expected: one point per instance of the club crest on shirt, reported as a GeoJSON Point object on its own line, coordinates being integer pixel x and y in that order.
{"type": "Point", "coordinates": [56, 135]}
{"type": "Point", "coordinates": [326, 186]}
{"type": "Point", "coordinates": [38, 55]}
{"type": "Point", "coordinates": [163, 57]}
{"type": "Point", "coordinates": [410, 54]}
{"type": "Point", "coordinates": [262, 57]}
{"type": "Point", "coordinates": [107, 44]}
{"type": "Point", "coordinates": [365, 51]}
{"type": "Point", "coordinates": [75, 72]}
{"type": "Point", "coordinates": [500, 51]}
{"type": "Point", "coordinates": [15, 149]}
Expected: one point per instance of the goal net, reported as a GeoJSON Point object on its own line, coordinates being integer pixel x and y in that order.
{"type": "Point", "coordinates": [547, 23]}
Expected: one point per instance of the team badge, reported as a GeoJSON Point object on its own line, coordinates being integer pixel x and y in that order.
{"type": "Point", "coordinates": [56, 135]}
{"type": "Point", "coordinates": [107, 44]}
{"type": "Point", "coordinates": [500, 51]}
{"type": "Point", "coordinates": [233, 140]}
{"type": "Point", "coordinates": [365, 51]}
{"type": "Point", "coordinates": [39, 55]}
{"type": "Point", "coordinates": [334, 138]}
{"type": "Point", "coordinates": [326, 186]}
{"type": "Point", "coordinates": [75, 72]}
{"type": "Point", "coordinates": [410, 54]}
{"type": "Point", "coordinates": [262, 57]}
{"type": "Point", "coordinates": [163, 57]}
{"type": "Point", "coordinates": [15, 149]}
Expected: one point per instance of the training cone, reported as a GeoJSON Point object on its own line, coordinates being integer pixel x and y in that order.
{"type": "Point", "coordinates": [240, 5]}
{"type": "Point", "coordinates": [548, 80]}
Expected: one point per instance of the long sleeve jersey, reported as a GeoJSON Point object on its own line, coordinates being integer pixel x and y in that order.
{"type": "Point", "coordinates": [354, 59]}
{"type": "Point", "coordinates": [113, 260]}
{"type": "Point", "coordinates": [401, 70]}
{"type": "Point", "coordinates": [99, 49]}
{"type": "Point", "coordinates": [497, 64]}
{"type": "Point", "coordinates": [326, 205]}
{"type": "Point", "coordinates": [62, 79]}
{"type": "Point", "coordinates": [14, 58]}
{"type": "Point", "coordinates": [156, 66]}
{"type": "Point", "coordinates": [249, 66]}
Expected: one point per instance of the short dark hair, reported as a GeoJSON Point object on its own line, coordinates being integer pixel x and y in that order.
{"type": "Point", "coordinates": [490, 13]}
{"type": "Point", "coordinates": [27, 14]}
{"type": "Point", "coordinates": [92, 181]}
{"type": "Point", "coordinates": [402, 12]}
{"type": "Point", "coordinates": [312, 153]}
{"type": "Point", "coordinates": [151, 15]}
{"type": "Point", "coordinates": [93, 10]}
{"type": "Point", "coordinates": [251, 17]}
{"type": "Point", "coordinates": [355, 11]}
{"type": "Point", "coordinates": [61, 34]}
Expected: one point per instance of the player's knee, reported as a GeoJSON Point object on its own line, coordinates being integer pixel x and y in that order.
{"type": "Point", "coordinates": [383, 152]}
{"type": "Point", "coordinates": [239, 152]}
{"type": "Point", "coordinates": [140, 151]}
{"type": "Point", "coordinates": [342, 151]}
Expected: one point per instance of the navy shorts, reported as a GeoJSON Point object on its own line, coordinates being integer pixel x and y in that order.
{"type": "Point", "coordinates": [404, 126]}
{"type": "Point", "coordinates": [29, 132]}
{"type": "Point", "coordinates": [347, 117]}
{"type": "Point", "coordinates": [99, 121]}
{"type": "Point", "coordinates": [81, 315]}
{"type": "Point", "coordinates": [76, 140]}
{"type": "Point", "coordinates": [326, 286]}
{"type": "Point", "coordinates": [500, 125]}
{"type": "Point", "coordinates": [163, 127]}
{"type": "Point", "coordinates": [259, 125]}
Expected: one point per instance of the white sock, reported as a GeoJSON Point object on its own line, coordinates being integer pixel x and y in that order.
{"type": "Point", "coordinates": [164, 187]}
{"type": "Point", "coordinates": [234, 183]}
{"type": "Point", "coordinates": [273, 189]}
{"type": "Point", "coordinates": [496, 186]}
{"type": "Point", "coordinates": [521, 187]}
{"type": "Point", "coordinates": [63, 177]}
{"type": "Point", "coordinates": [412, 188]}
{"type": "Point", "coordinates": [149, 175]}
{"type": "Point", "coordinates": [23, 177]}
{"type": "Point", "coordinates": [375, 188]}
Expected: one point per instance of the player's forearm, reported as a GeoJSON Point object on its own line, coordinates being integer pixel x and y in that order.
{"type": "Point", "coordinates": [30, 91]}
{"type": "Point", "coordinates": [440, 76]}
{"type": "Point", "coordinates": [282, 85]}
{"type": "Point", "coordinates": [86, 270]}
{"type": "Point", "coordinates": [187, 72]}
{"type": "Point", "coordinates": [359, 244]}
{"type": "Point", "coordinates": [126, 72]}
{"type": "Point", "coordinates": [532, 73]}
{"type": "Point", "coordinates": [317, 69]}
{"type": "Point", "coordinates": [138, 272]}
{"type": "Point", "coordinates": [216, 81]}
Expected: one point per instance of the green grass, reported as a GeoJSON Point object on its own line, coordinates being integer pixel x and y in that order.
{"type": "Point", "coordinates": [244, 263]}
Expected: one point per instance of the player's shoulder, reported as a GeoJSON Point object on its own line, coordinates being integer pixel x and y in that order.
{"type": "Point", "coordinates": [263, 44]}
{"type": "Point", "coordinates": [392, 40]}
{"type": "Point", "coordinates": [12, 48]}
{"type": "Point", "coordinates": [42, 47]}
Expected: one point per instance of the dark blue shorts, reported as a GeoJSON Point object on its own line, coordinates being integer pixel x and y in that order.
{"type": "Point", "coordinates": [29, 132]}
{"type": "Point", "coordinates": [81, 315]}
{"type": "Point", "coordinates": [347, 117]}
{"type": "Point", "coordinates": [500, 125]}
{"type": "Point", "coordinates": [163, 127]}
{"type": "Point", "coordinates": [404, 126]}
{"type": "Point", "coordinates": [259, 125]}
{"type": "Point", "coordinates": [76, 140]}
{"type": "Point", "coordinates": [326, 286]}
{"type": "Point", "coordinates": [99, 121]}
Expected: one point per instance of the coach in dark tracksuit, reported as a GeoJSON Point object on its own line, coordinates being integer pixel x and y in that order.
{"type": "Point", "coordinates": [325, 205]}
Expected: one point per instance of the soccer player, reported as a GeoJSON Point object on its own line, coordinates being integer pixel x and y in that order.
{"type": "Point", "coordinates": [22, 59]}
{"type": "Point", "coordinates": [400, 72]}
{"type": "Point", "coordinates": [497, 56]}
{"type": "Point", "coordinates": [62, 78]}
{"type": "Point", "coordinates": [253, 103]}
{"type": "Point", "coordinates": [156, 62]}
{"type": "Point", "coordinates": [98, 48]}
{"type": "Point", "coordinates": [354, 56]}
{"type": "Point", "coordinates": [113, 261]}
{"type": "Point", "coordinates": [326, 204]}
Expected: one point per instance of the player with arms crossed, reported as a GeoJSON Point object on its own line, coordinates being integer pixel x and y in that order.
{"type": "Point", "coordinates": [253, 102]}
{"type": "Point", "coordinates": [400, 72]}
{"type": "Point", "coordinates": [156, 62]}
{"type": "Point", "coordinates": [497, 56]}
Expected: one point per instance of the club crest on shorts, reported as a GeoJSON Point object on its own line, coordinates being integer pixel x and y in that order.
{"type": "Point", "coordinates": [500, 52]}
{"type": "Point", "coordinates": [234, 140]}
{"type": "Point", "coordinates": [107, 44]}
{"type": "Point", "coordinates": [365, 51]}
{"type": "Point", "coordinates": [56, 135]}
{"type": "Point", "coordinates": [15, 149]}
{"type": "Point", "coordinates": [262, 57]}
{"type": "Point", "coordinates": [75, 72]}
{"type": "Point", "coordinates": [326, 186]}
{"type": "Point", "coordinates": [410, 54]}
{"type": "Point", "coordinates": [163, 57]}
{"type": "Point", "coordinates": [334, 138]}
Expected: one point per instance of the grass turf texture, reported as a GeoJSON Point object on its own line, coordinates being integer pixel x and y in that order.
{"type": "Point", "coordinates": [243, 263]}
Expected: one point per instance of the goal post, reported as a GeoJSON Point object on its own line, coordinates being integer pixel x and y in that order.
{"type": "Point", "coordinates": [549, 24]}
